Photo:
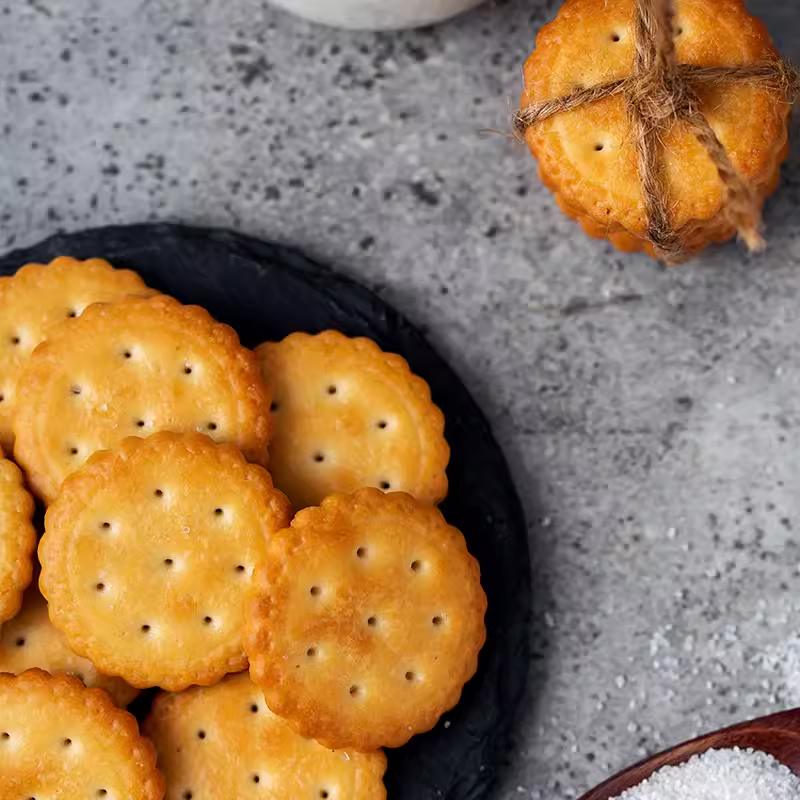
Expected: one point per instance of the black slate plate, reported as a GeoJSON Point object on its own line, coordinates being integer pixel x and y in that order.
{"type": "Point", "coordinates": [266, 291]}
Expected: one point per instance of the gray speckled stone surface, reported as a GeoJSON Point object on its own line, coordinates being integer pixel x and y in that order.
{"type": "Point", "coordinates": [651, 417]}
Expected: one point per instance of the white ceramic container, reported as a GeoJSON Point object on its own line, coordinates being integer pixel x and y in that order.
{"type": "Point", "coordinates": [377, 14]}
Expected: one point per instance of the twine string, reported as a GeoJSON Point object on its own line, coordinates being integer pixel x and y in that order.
{"type": "Point", "coordinates": [653, 98]}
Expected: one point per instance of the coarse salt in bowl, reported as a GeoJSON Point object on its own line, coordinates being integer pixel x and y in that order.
{"type": "Point", "coordinates": [727, 774]}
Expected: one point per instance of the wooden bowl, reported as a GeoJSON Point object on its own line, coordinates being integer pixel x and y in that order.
{"type": "Point", "coordinates": [778, 735]}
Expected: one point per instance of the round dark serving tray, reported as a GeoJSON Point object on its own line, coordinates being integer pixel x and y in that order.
{"type": "Point", "coordinates": [266, 291]}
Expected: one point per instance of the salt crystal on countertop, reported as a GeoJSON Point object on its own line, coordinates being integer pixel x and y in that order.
{"type": "Point", "coordinates": [732, 774]}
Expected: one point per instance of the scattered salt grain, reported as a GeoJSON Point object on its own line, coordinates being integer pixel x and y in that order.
{"type": "Point", "coordinates": [732, 774]}
{"type": "Point", "coordinates": [783, 662]}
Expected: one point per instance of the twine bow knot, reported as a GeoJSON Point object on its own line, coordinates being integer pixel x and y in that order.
{"type": "Point", "coordinates": [657, 93]}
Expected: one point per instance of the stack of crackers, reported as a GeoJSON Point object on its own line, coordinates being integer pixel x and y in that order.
{"type": "Point", "coordinates": [209, 509]}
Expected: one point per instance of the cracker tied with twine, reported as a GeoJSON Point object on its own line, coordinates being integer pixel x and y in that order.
{"type": "Point", "coordinates": [660, 92]}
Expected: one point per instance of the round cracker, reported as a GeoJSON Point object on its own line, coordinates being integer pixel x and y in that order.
{"type": "Point", "coordinates": [17, 538]}
{"type": "Point", "coordinates": [348, 415]}
{"type": "Point", "coordinates": [59, 739]}
{"type": "Point", "coordinates": [36, 299]}
{"type": "Point", "coordinates": [148, 556]}
{"type": "Point", "coordinates": [31, 641]}
{"type": "Point", "coordinates": [367, 622]}
{"type": "Point", "coordinates": [223, 743]}
{"type": "Point", "coordinates": [134, 368]}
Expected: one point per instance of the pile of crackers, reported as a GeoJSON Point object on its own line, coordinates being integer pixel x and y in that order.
{"type": "Point", "coordinates": [211, 509]}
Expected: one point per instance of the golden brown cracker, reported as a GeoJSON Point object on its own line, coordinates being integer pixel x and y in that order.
{"type": "Point", "coordinates": [40, 296]}
{"type": "Point", "coordinates": [148, 557]}
{"type": "Point", "coordinates": [223, 743]}
{"type": "Point", "coordinates": [587, 156]}
{"type": "Point", "coordinates": [59, 739]}
{"type": "Point", "coordinates": [31, 641]}
{"type": "Point", "coordinates": [348, 415]}
{"type": "Point", "coordinates": [367, 620]}
{"type": "Point", "coordinates": [17, 538]}
{"type": "Point", "coordinates": [134, 368]}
